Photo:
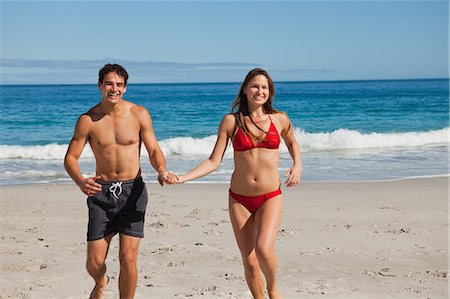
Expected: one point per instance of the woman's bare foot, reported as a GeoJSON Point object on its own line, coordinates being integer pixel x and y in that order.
{"type": "Point", "coordinates": [274, 294]}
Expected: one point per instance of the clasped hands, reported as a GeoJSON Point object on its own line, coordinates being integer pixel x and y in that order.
{"type": "Point", "coordinates": [168, 177]}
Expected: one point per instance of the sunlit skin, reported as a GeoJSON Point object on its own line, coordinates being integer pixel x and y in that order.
{"type": "Point", "coordinates": [255, 173]}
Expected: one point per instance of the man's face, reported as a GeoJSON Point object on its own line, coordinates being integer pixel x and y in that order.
{"type": "Point", "coordinates": [112, 88]}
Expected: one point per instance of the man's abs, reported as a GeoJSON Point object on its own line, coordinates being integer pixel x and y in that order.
{"type": "Point", "coordinates": [117, 162]}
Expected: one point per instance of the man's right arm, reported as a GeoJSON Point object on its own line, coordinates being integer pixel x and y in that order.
{"type": "Point", "coordinates": [76, 146]}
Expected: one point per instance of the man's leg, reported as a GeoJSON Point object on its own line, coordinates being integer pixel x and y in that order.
{"type": "Point", "coordinates": [96, 255]}
{"type": "Point", "coordinates": [128, 265]}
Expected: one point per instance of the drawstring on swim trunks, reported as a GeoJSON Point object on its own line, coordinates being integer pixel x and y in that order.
{"type": "Point", "coordinates": [114, 187]}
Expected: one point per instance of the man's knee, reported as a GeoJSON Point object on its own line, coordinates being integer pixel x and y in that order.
{"type": "Point", "coordinates": [94, 262]}
{"type": "Point", "coordinates": [128, 251]}
{"type": "Point", "coordinates": [128, 259]}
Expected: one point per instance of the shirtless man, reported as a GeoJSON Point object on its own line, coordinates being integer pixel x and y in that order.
{"type": "Point", "coordinates": [117, 197]}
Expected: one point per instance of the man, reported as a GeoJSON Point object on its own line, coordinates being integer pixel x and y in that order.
{"type": "Point", "coordinates": [115, 129]}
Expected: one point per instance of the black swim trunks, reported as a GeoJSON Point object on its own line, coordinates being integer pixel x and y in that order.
{"type": "Point", "coordinates": [118, 208]}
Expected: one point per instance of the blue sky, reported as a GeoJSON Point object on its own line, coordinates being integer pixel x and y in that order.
{"type": "Point", "coordinates": [219, 41]}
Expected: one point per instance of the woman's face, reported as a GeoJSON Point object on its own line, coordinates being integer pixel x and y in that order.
{"type": "Point", "coordinates": [257, 90]}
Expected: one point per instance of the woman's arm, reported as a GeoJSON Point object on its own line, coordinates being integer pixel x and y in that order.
{"type": "Point", "coordinates": [226, 128]}
{"type": "Point", "coordinates": [294, 173]}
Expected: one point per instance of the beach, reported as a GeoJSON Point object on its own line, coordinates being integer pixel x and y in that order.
{"type": "Point", "coordinates": [363, 86]}
{"type": "Point", "coordinates": [337, 240]}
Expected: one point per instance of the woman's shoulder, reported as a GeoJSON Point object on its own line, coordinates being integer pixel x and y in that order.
{"type": "Point", "coordinates": [227, 124]}
{"type": "Point", "coordinates": [280, 117]}
{"type": "Point", "coordinates": [230, 117]}
{"type": "Point", "coordinates": [229, 120]}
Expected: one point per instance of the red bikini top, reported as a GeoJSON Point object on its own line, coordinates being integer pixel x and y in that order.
{"type": "Point", "coordinates": [243, 142]}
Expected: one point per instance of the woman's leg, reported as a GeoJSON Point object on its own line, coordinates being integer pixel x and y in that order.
{"type": "Point", "coordinates": [267, 222]}
{"type": "Point", "coordinates": [244, 230]}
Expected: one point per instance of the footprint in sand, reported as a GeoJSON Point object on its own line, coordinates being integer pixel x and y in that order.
{"type": "Point", "coordinates": [438, 273]}
{"type": "Point", "coordinates": [322, 287]}
{"type": "Point", "coordinates": [162, 250]}
{"type": "Point", "coordinates": [233, 277]}
{"type": "Point", "coordinates": [176, 264]}
{"type": "Point", "coordinates": [213, 232]}
{"type": "Point", "coordinates": [197, 214]}
{"type": "Point", "coordinates": [285, 232]}
{"type": "Point", "coordinates": [386, 272]}
{"type": "Point", "coordinates": [399, 231]}
{"type": "Point", "coordinates": [201, 290]}
{"type": "Point", "coordinates": [166, 224]}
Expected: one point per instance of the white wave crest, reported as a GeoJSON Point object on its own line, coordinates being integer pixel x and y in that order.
{"type": "Point", "coordinates": [32, 174]}
{"type": "Point", "coordinates": [51, 151]}
{"type": "Point", "coordinates": [349, 139]}
{"type": "Point", "coordinates": [186, 147]}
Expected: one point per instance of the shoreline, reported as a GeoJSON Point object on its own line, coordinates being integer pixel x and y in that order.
{"type": "Point", "coordinates": [200, 182]}
{"type": "Point", "coordinates": [337, 240]}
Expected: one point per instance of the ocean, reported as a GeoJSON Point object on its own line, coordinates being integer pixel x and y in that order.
{"type": "Point", "coordinates": [347, 130]}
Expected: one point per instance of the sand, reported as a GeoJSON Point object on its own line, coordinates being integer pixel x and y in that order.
{"type": "Point", "coordinates": [337, 240]}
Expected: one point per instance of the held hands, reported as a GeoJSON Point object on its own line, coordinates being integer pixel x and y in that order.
{"type": "Point", "coordinates": [89, 187]}
{"type": "Point", "coordinates": [293, 176]}
{"type": "Point", "coordinates": [167, 178]}
{"type": "Point", "coordinates": [170, 178]}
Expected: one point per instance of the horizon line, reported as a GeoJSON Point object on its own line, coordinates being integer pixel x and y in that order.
{"type": "Point", "coordinates": [234, 82]}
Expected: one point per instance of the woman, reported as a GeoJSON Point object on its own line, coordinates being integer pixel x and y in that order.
{"type": "Point", "coordinates": [255, 200]}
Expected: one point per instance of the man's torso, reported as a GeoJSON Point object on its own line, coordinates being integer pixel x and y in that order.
{"type": "Point", "coordinates": [115, 140]}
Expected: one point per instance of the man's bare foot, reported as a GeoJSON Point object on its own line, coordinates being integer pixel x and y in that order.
{"type": "Point", "coordinates": [97, 291]}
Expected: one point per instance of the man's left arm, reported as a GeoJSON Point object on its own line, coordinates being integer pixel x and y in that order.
{"type": "Point", "coordinates": [148, 137]}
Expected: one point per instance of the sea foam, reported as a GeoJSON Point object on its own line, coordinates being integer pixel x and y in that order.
{"type": "Point", "coordinates": [350, 139]}
{"type": "Point", "coordinates": [185, 147]}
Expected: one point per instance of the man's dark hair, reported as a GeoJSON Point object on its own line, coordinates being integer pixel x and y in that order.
{"type": "Point", "coordinates": [108, 68]}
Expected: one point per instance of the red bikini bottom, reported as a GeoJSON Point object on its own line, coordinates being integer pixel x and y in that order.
{"type": "Point", "coordinates": [252, 203]}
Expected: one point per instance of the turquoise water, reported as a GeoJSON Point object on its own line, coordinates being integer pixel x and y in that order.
{"type": "Point", "coordinates": [348, 131]}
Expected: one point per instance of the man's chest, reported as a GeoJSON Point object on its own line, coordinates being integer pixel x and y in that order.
{"type": "Point", "coordinates": [120, 131]}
